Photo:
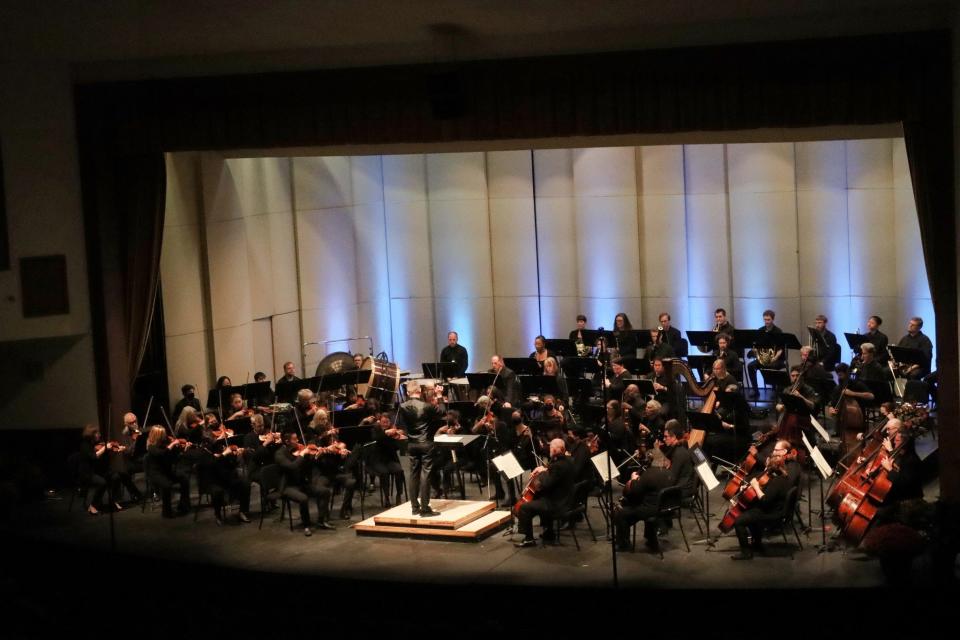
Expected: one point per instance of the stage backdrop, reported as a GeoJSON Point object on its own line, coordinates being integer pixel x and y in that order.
{"type": "Point", "coordinates": [263, 254]}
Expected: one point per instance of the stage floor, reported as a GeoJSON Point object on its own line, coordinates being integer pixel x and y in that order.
{"type": "Point", "coordinates": [493, 560]}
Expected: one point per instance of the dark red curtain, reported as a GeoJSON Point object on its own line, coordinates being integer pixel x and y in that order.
{"type": "Point", "coordinates": [124, 127]}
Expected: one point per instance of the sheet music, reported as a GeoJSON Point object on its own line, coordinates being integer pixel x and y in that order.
{"type": "Point", "coordinates": [822, 465]}
{"type": "Point", "coordinates": [707, 475]}
{"type": "Point", "coordinates": [462, 440]}
{"type": "Point", "coordinates": [507, 463]}
{"type": "Point", "coordinates": [600, 462]}
{"type": "Point", "coordinates": [823, 432]}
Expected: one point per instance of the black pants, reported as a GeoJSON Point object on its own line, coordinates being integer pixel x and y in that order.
{"type": "Point", "coordinates": [754, 366]}
{"type": "Point", "coordinates": [753, 521]}
{"type": "Point", "coordinates": [238, 489]}
{"type": "Point", "coordinates": [385, 471]}
{"type": "Point", "coordinates": [627, 516]}
{"type": "Point", "coordinates": [528, 510]}
{"type": "Point", "coordinates": [98, 484]}
{"type": "Point", "coordinates": [422, 456]}
{"type": "Point", "coordinates": [319, 490]}
{"type": "Point", "coordinates": [165, 484]}
{"type": "Point", "coordinates": [347, 483]}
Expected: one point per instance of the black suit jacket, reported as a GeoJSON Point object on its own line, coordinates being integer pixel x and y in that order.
{"type": "Point", "coordinates": [456, 354]}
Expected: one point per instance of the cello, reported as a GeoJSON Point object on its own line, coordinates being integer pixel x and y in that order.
{"type": "Point", "coordinates": [748, 494]}
{"type": "Point", "coordinates": [860, 505]}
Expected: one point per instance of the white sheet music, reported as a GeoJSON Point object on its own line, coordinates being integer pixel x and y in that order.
{"type": "Point", "coordinates": [823, 432]}
{"type": "Point", "coordinates": [464, 439]}
{"type": "Point", "coordinates": [600, 462]}
{"type": "Point", "coordinates": [507, 463]}
{"type": "Point", "coordinates": [707, 475]}
{"type": "Point", "coordinates": [822, 465]}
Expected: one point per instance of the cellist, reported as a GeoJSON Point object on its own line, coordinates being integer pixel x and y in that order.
{"type": "Point", "coordinates": [772, 487]}
{"type": "Point", "coordinates": [556, 481]}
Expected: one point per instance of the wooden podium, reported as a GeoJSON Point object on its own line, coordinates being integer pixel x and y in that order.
{"type": "Point", "coordinates": [469, 520]}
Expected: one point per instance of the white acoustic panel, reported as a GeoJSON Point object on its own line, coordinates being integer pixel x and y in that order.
{"type": "Point", "coordinates": [404, 178]}
{"type": "Point", "coordinates": [660, 170]}
{"type": "Point", "coordinates": [704, 168]}
{"type": "Point", "coordinates": [602, 312]}
{"type": "Point", "coordinates": [327, 258]}
{"type": "Point", "coordinates": [557, 238]}
{"type": "Point", "coordinates": [824, 243]}
{"type": "Point", "coordinates": [408, 249]}
{"type": "Point", "coordinates": [517, 320]}
{"type": "Point", "coordinates": [373, 319]}
{"type": "Point", "coordinates": [456, 176]}
{"type": "Point", "coordinates": [553, 173]}
{"type": "Point", "coordinates": [510, 174]}
{"type": "Point", "coordinates": [460, 247]}
{"type": "Point", "coordinates": [181, 277]}
{"type": "Point", "coordinates": [259, 265]}
{"type": "Point", "coordinates": [708, 265]}
{"type": "Point", "coordinates": [229, 277]}
{"type": "Point", "coordinates": [373, 270]}
{"type": "Point", "coordinates": [908, 248]}
{"type": "Point", "coordinates": [262, 331]}
{"type": "Point", "coordinates": [837, 309]}
{"type": "Point", "coordinates": [221, 197]}
{"type": "Point", "coordinates": [821, 165]}
{"type": "Point", "coordinates": [663, 251]}
{"type": "Point", "coordinates": [749, 313]}
{"type": "Point", "coordinates": [262, 184]}
{"type": "Point", "coordinates": [873, 269]}
{"type": "Point", "coordinates": [888, 308]}
{"type": "Point", "coordinates": [471, 318]}
{"type": "Point", "coordinates": [183, 189]}
{"type": "Point", "coordinates": [414, 337]}
{"type": "Point", "coordinates": [287, 344]}
{"type": "Point", "coordinates": [187, 363]}
{"type": "Point", "coordinates": [653, 306]}
{"type": "Point", "coordinates": [337, 323]}
{"type": "Point", "coordinates": [763, 232]}
{"type": "Point", "coordinates": [869, 164]}
{"type": "Point", "coordinates": [322, 183]}
{"type": "Point", "coordinates": [609, 268]}
{"type": "Point", "coordinates": [760, 167]}
{"type": "Point", "coordinates": [233, 347]}
{"type": "Point", "coordinates": [700, 313]}
{"type": "Point", "coordinates": [514, 247]}
{"type": "Point", "coordinates": [366, 178]}
{"type": "Point", "coordinates": [558, 315]}
{"type": "Point", "coordinates": [607, 171]}
{"type": "Point", "coordinates": [283, 263]}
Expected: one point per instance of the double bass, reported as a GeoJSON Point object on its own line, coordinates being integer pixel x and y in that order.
{"type": "Point", "coordinates": [850, 420]}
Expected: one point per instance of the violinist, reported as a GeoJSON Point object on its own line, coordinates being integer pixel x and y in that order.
{"type": "Point", "coordinates": [225, 476]}
{"type": "Point", "coordinates": [385, 461]}
{"type": "Point", "coordinates": [223, 382]}
{"type": "Point", "coordinates": [260, 447]}
{"type": "Point", "coordinates": [553, 417]}
{"type": "Point", "coordinates": [579, 450]}
{"type": "Point", "coordinates": [319, 424]}
{"type": "Point", "coordinates": [237, 409]}
{"type": "Point", "coordinates": [160, 465]}
{"type": "Point", "coordinates": [554, 491]}
{"type": "Point", "coordinates": [640, 493]}
{"type": "Point", "coordinates": [417, 418]}
{"type": "Point", "coordinates": [771, 487]}
{"type": "Point", "coordinates": [336, 466]}
{"type": "Point", "coordinates": [93, 468]}
{"type": "Point", "coordinates": [506, 380]}
{"type": "Point", "coordinates": [211, 423]}
{"type": "Point", "coordinates": [526, 445]}
{"type": "Point", "coordinates": [551, 368]}
{"type": "Point", "coordinates": [500, 439]}
{"type": "Point", "coordinates": [134, 445]}
{"type": "Point", "coordinates": [190, 428]}
{"type": "Point", "coordinates": [189, 399]}
{"type": "Point", "coordinates": [617, 383]}
{"type": "Point", "coordinates": [446, 465]}
{"type": "Point", "coordinates": [305, 406]}
{"type": "Point", "coordinates": [621, 441]}
{"type": "Point", "coordinates": [299, 483]}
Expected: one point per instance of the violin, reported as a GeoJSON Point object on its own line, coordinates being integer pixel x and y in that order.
{"type": "Point", "coordinates": [179, 442]}
{"type": "Point", "coordinates": [270, 438]}
{"type": "Point", "coordinates": [111, 446]}
{"type": "Point", "coordinates": [593, 444]}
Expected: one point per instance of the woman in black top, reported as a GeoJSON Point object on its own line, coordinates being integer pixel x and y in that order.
{"type": "Point", "coordinates": [92, 470]}
{"type": "Point", "coordinates": [626, 342]}
{"type": "Point", "coordinates": [162, 453]}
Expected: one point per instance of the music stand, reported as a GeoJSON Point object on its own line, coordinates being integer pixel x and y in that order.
{"type": "Point", "coordinates": [561, 346]}
{"type": "Point", "coordinates": [480, 382]}
{"type": "Point", "coordinates": [708, 482]}
{"type": "Point", "coordinates": [907, 355]}
{"type": "Point", "coordinates": [702, 339]}
{"type": "Point", "coordinates": [539, 385]}
{"type": "Point", "coordinates": [347, 417]}
{"type": "Point", "coordinates": [708, 422]}
{"type": "Point", "coordinates": [576, 367]}
{"type": "Point", "coordinates": [440, 370]}
{"type": "Point", "coordinates": [523, 366]}
{"type": "Point", "coordinates": [643, 338]}
{"type": "Point", "coordinates": [854, 340]}
{"type": "Point", "coordinates": [637, 366]}
{"type": "Point", "coordinates": [239, 426]}
{"type": "Point", "coordinates": [744, 338]}
{"type": "Point", "coordinates": [645, 386]}
{"type": "Point", "coordinates": [776, 378]}
{"type": "Point", "coordinates": [287, 391]}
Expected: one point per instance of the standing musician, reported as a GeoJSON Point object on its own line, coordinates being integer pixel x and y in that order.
{"type": "Point", "coordinates": [385, 462]}
{"type": "Point", "coordinates": [765, 358]}
{"type": "Point", "coordinates": [722, 351]}
{"type": "Point", "coordinates": [506, 380]}
{"type": "Point", "coordinates": [300, 481]}
{"type": "Point", "coordinates": [768, 508]}
{"type": "Point", "coordinates": [551, 368]}
{"type": "Point", "coordinates": [227, 475]}
{"type": "Point", "coordinates": [671, 335]}
{"type": "Point", "coordinates": [577, 335]}
{"type": "Point", "coordinates": [540, 352]}
{"type": "Point", "coordinates": [826, 351]}
{"type": "Point", "coordinates": [665, 388]}
{"type": "Point", "coordinates": [659, 347]}
{"type": "Point", "coordinates": [869, 369]}
{"type": "Point", "coordinates": [189, 399]}
{"type": "Point", "coordinates": [289, 373]}
{"type": "Point", "coordinates": [617, 383]}
{"type": "Point", "coordinates": [160, 465]}
{"type": "Point", "coordinates": [640, 494]}
{"type": "Point", "coordinates": [916, 339]}
{"type": "Point", "coordinates": [455, 352]}
{"type": "Point", "coordinates": [554, 490]}
{"type": "Point", "coordinates": [877, 338]}
{"type": "Point", "coordinates": [416, 418]}
{"type": "Point", "coordinates": [623, 334]}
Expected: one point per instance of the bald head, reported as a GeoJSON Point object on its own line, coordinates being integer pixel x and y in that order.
{"type": "Point", "coordinates": [557, 448]}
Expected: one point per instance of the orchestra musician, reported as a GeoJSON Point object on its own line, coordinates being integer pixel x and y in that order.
{"type": "Point", "coordinates": [647, 422]}
{"type": "Point", "coordinates": [551, 368]}
{"type": "Point", "coordinates": [299, 481]}
{"type": "Point", "coordinates": [659, 347]}
{"type": "Point", "coordinates": [775, 361]}
{"type": "Point", "coordinates": [161, 469]}
{"type": "Point", "coordinates": [626, 342]}
{"type": "Point", "coordinates": [526, 445]}
{"type": "Point", "coordinates": [904, 473]}
{"type": "Point", "coordinates": [579, 451]}
{"type": "Point", "coordinates": [540, 352]}
{"type": "Point", "coordinates": [720, 376]}
{"type": "Point", "coordinates": [189, 399]}
{"type": "Point", "coordinates": [722, 351]}
{"type": "Point", "coordinates": [877, 338]}
{"type": "Point", "coordinates": [826, 351]}
{"type": "Point", "coordinates": [618, 382]}
{"type": "Point", "coordinates": [237, 409]}
{"type": "Point", "coordinates": [810, 398]}
{"type": "Point", "coordinates": [226, 476]}
{"type": "Point", "coordinates": [446, 463]}
{"type": "Point", "coordinates": [305, 406]}
{"type": "Point", "coordinates": [768, 508]}
{"type": "Point", "coordinates": [554, 483]}
{"type": "Point", "coordinates": [259, 377]}
{"type": "Point", "coordinates": [640, 493]}
{"type": "Point", "coordinates": [385, 461]}
{"type": "Point", "coordinates": [289, 373]}
{"type": "Point", "coordinates": [850, 387]}
{"type": "Point", "coordinates": [577, 335]}
{"type": "Point", "coordinates": [506, 380]}
{"type": "Point", "coordinates": [134, 445]}
{"type": "Point", "coordinates": [622, 444]}
{"type": "Point", "coordinates": [734, 415]}
{"type": "Point", "coordinates": [916, 339]}
{"type": "Point", "coordinates": [94, 469]}
{"type": "Point", "coordinates": [455, 352]}
{"type": "Point", "coordinates": [869, 369]}
{"type": "Point", "coordinates": [671, 335]}
{"type": "Point", "coordinates": [336, 466]}
{"type": "Point", "coordinates": [499, 440]}
{"type": "Point", "coordinates": [665, 389]}
{"type": "Point", "coordinates": [721, 323]}
{"type": "Point", "coordinates": [416, 417]}
{"type": "Point", "coordinates": [260, 447]}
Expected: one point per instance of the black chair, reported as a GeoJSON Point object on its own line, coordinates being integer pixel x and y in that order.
{"type": "Point", "coordinates": [270, 477]}
{"type": "Point", "coordinates": [669, 506]}
{"type": "Point", "coordinates": [577, 508]}
{"type": "Point", "coordinates": [787, 518]}
{"type": "Point", "coordinates": [77, 486]}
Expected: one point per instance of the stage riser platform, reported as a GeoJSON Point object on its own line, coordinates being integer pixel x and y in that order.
{"type": "Point", "coordinates": [462, 520]}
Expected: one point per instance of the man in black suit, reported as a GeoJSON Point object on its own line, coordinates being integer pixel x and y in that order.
{"type": "Point", "coordinates": [419, 418]}
{"type": "Point", "coordinates": [825, 347]}
{"type": "Point", "coordinates": [289, 373]}
{"type": "Point", "coordinates": [556, 483]}
{"type": "Point", "coordinates": [671, 335]}
{"type": "Point", "coordinates": [506, 380]}
{"type": "Point", "coordinates": [455, 352]}
{"type": "Point", "coordinates": [769, 329]}
{"type": "Point", "coordinates": [769, 507]}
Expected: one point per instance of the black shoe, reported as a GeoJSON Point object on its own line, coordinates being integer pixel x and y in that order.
{"type": "Point", "coordinates": [307, 532]}
{"type": "Point", "coordinates": [427, 512]}
{"type": "Point", "coordinates": [415, 510]}
{"type": "Point", "coordinates": [242, 517]}
{"type": "Point", "coordinates": [549, 535]}
{"type": "Point", "coordinates": [523, 544]}
{"type": "Point", "coordinates": [326, 525]}
{"type": "Point", "coordinates": [745, 554]}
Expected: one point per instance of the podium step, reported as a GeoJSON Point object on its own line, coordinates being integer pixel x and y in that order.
{"type": "Point", "coordinates": [466, 520]}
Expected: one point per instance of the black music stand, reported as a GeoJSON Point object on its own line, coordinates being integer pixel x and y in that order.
{"type": "Point", "coordinates": [348, 418]}
{"type": "Point", "coordinates": [744, 338]}
{"type": "Point", "coordinates": [776, 378]}
{"type": "Point", "coordinates": [576, 367]}
{"type": "Point", "coordinates": [523, 366]}
{"type": "Point", "coordinates": [561, 346]}
{"type": "Point", "coordinates": [702, 339]}
{"type": "Point", "coordinates": [854, 340]}
{"type": "Point", "coordinates": [480, 382]}
{"type": "Point", "coordinates": [257, 393]}
{"type": "Point", "coordinates": [636, 366]}
{"type": "Point", "coordinates": [440, 370]}
{"type": "Point", "coordinates": [239, 426]}
{"type": "Point", "coordinates": [643, 338]}
{"type": "Point", "coordinates": [709, 422]}
{"type": "Point", "coordinates": [645, 386]}
{"type": "Point", "coordinates": [539, 385]}
{"type": "Point", "coordinates": [287, 391]}
{"type": "Point", "coordinates": [907, 355]}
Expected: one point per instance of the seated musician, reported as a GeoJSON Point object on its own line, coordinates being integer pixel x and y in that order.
{"type": "Point", "coordinates": [500, 439]}
{"type": "Point", "coordinates": [814, 374]}
{"type": "Point", "coordinates": [616, 384]}
{"type": "Point", "coordinates": [237, 409]}
{"type": "Point", "coordinates": [734, 415]}
{"type": "Point", "coordinates": [768, 508]}
{"type": "Point", "coordinates": [769, 361]}
{"type": "Point", "coordinates": [554, 484]}
{"type": "Point", "coordinates": [289, 373]}
{"type": "Point", "coordinates": [640, 494]}
{"type": "Point", "coordinates": [305, 407]}
{"type": "Point", "coordinates": [877, 338]}
{"type": "Point", "coordinates": [134, 444]}
{"type": "Point", "coordinates": [191, 427]}
{"type": "Point", "coordinates": [650, 424]}
{"type": "Point", "coordinates": [189, 399]}
{"type": "Point", "coordinates": [810, 398]}
{"type": "Point", "coordinates": [94, 469]}
{"type": "Point", "coordinates": [259, 447]}
{"type": "Point", "coordinates": [665, 389]}
{"type": "Point", "coordinates": [551, 368]}
{"type": "Point", "coordinates": [624, 339]}
{"type": "Point", "coordinates": [720, 376]}
{"type": "Point", "coordinates": [847, 387]}
{"type": "Point", "coordinates": [299, 482]}
{"type": "Point", "coordinates": [385, 461]}
{"type": "Point", "coordinates": [211, 423]}
{"type": "Point", "coordinates": [916, 339]}
{"type": "Point", "coordinates": [659, 347]}
{"type": "Point", "coordinates": [540, 352]}
{"type": "Point", "coordinates": [224, 478]}
{"type": "Point", "coordinates": [160, 466]}
{"type": "Point", "coordinates": [903, 471]}
{"type": "Point", "coordinates": [722, 324]}
{"type": "Point", "coordinates": [336, 466]}
{"type": "Point", "coordinates": [722, 351]}
{"type": "Point", "coordinates": [527, 446]}
{"type": "Point", "coordinates": [622, 443]}
{"type": "Point", "coordinates": [579, 451]}
{"type": "Point", "coordinates": [869, 369]}
{"type": "Point", "coordinates": [826, 351]}
{"type": "Point", "coordinates": [445, 464]}
{"type": "Point", "coordinates": [671, 335]}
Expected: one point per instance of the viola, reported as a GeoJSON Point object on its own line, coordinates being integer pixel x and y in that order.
{"type": "Point", "coordinates": [593, 444]}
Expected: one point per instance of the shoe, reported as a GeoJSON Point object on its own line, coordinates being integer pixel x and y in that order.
{"type": "Point", "coordinates": [744, 554]}
{"type": "Point", "coordinates": [415, 510]}
{"type": "Point", "coordinates": [307, 532]}
{"type": "Point", "coordinates": [427, 512]}
{"type": "Point", "coordinates": [92, 510]}
{"type": "Point", "coordinates": [523, 544]}
{"type": "Point", "coordinates": [326, 525]}
{"type": "Point", "coordinates": [386, 503]}
{"type": "Point", "coordinates": [219, 521]}
{"type": "Point", "coordinates": [548, 535]}
{"type": "Point", "coordinates": [399, 500]}
{"type": "Point", "coordinates": [242, 517]}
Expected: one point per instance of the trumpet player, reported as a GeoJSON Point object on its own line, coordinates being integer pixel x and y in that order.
{"type": "Point", "coordinates": [765, 357]}
{"type": "Point", "coordinates": [722, 325]}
